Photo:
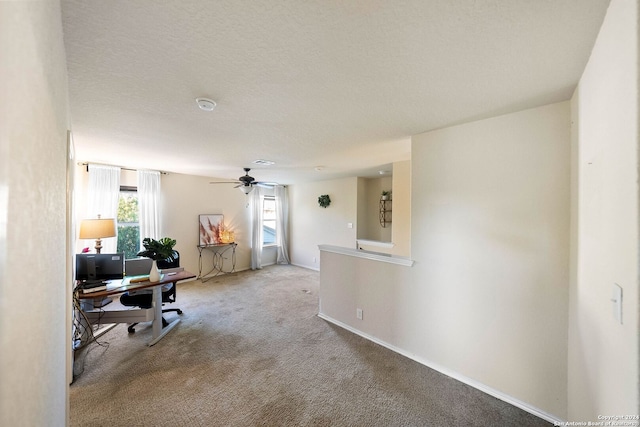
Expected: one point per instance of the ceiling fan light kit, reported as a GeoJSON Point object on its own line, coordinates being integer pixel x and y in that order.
{"type": "Point", "coordinates": [246, 189]}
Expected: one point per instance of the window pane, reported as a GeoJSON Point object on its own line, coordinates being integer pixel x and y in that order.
{"type": "Point", "coordinates": [129, 240]}
{"type": "Point", "coordinates": [128, 207]}
{"type": "Point", "coordinates": [269, 209]}
{"type": "Point", "coordinates": [128, 226]}
{"type": "Point", "coordinates": [269, 221]}
{"type": "Point", "coordinates": [269, 232]}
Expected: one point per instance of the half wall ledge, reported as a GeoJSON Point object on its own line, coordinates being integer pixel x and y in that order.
{"type": "Point", "coordinates": [375, 256]}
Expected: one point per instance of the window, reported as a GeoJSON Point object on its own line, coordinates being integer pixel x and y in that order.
{"type": "Point", "coordinates": [128, 226]}
{"type": "Point", "coordinates": [269, 221]}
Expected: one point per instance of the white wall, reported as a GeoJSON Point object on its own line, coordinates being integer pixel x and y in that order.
{"type": "Point", "coordinates": [486, 300]}
{"type": "Point", "coordinates": [184, 197]}
{"type": "Point", "coordinates": [33, 282]}
{"type": "Point", "coordinates": [603, 355]}
{"type": "Point", "coordinates": [490, 237]}
{"type": "Point", "coordinates": [379, 289]}
{"type": "Point", "coordinates": [362, 208]}
{"type": "Point", "coordinates": [312, 225]}
{"type": "Point", "coordinates": [401, 230]}
{"type": "Point", "coordinates": [369, 222]}
{"type": "Point", "coordinates": [398, 231]}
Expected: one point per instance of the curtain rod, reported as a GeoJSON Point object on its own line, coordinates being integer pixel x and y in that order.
{"type": "Point", "coordinates": [127, 169]}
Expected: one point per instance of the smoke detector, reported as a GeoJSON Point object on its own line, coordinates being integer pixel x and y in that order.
{"type": "Point", "coordinates": [206, 104]}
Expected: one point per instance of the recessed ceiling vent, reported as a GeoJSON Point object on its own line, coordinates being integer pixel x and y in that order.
{"type": "Point", "coordinates": [263, 162]}
{"type": "Point", "coordinates": [205, 104]}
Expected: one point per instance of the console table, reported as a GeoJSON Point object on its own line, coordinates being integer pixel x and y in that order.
{"type": "Point", "coordinates": [219, 253]}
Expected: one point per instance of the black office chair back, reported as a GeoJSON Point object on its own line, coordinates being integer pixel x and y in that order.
{"type": "Point", "coordinates": [168, 263]}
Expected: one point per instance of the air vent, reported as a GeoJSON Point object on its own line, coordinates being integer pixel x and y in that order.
{"type": "Point", "coordinates": [263, 162]}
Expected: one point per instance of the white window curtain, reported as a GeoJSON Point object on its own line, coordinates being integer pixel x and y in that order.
{"type": "Point", "coordinates": [282, 223]}
{"type": "Point", "coordinates": [104, 193]}
{"type": "Point", "coordinates": [148, 204]}
{"type": "Point", "coordinates": [256, 228]}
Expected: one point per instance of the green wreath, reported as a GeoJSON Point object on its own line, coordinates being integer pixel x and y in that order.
{"type": "Point", "coordinates": [324, 201]}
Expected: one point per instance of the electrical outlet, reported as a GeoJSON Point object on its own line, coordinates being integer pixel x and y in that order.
{"type": "Point", "coordinates": [359, 313]}
{"type": "Point", "coordinates": [315, 260]}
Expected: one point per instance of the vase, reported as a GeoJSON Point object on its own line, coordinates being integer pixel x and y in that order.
{"type": "Point", "coordinates": [154, 274]}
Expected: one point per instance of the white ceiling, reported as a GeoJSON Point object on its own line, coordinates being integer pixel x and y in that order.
{"type": "Point", "coordinates": [331, 83]}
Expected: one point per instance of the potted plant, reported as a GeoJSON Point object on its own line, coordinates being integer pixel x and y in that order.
{"type": "Point", "coordinates": [158, 250]}
{"type": "Point", "coordinates": [386, 195]}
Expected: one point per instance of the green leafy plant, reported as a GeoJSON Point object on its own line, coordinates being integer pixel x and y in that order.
{"type": "Point", "coordinates": [324, 201]}
{"type": "Point", "coordinates": [159, 250]}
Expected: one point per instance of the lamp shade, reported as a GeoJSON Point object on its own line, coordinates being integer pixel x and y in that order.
{"type": "Point", "coordinates": [97, 228]}
{"type": "Point", "coordinates": [246, 189]}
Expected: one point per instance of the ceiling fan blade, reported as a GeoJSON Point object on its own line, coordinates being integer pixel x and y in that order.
{"type": "Point", "coordinates": [265, 184]}
{"type": "Point", "coordinates": [247, 181]}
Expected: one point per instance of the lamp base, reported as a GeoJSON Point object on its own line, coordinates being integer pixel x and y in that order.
{"type": "Point", "coordinates": [98, 245]}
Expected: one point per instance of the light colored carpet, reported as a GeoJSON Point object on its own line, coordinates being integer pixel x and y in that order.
{"type": "Point", "coordinates": [251, 351]}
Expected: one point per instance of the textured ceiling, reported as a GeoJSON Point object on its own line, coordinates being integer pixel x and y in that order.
{"type": "Point", "coordinates": [331, 83]}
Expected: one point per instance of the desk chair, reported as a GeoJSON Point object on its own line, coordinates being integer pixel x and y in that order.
{"type": "Point", "coordinates": [142, 266]}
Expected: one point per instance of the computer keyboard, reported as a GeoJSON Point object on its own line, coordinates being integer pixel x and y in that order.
{"type": "Point", "coordinates": [91, 285]}
{"type": "Point", "coordinates": [99, 285]}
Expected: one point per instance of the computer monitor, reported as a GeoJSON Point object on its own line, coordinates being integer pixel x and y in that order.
{"type": "Point", "coordinates": [99, 267]}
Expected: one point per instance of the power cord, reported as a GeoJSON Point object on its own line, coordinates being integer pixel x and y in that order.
{"type": "Point", "coordinates": [83, 334]}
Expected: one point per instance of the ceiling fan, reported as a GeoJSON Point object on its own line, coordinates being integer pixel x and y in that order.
{"type": "Point", "coordinates": [246, 183]}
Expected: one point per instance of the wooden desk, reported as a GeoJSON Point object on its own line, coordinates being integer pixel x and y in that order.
{"type": "Point", "coordinates": [139, 315]}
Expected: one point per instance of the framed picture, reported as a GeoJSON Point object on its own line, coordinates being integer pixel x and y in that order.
{"type": "Point", "coordinates": [211, 226]}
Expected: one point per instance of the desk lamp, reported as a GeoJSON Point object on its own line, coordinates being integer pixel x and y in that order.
{"type": "Point", "coordinates": [97, 229]}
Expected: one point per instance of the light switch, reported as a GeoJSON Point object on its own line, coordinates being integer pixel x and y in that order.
{"type": "Point", "coordinates": [349, 225]}
{"type": "Point", "coordinates": [616, 300]}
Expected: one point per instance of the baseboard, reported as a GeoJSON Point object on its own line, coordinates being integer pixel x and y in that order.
{"type": "Point", "coordinates": [475, 384]}
{"type": "Point", "coordinates": [306, 266]}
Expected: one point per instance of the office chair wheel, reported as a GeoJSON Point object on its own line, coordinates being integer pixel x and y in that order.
{"type": "Point", "coordinates": [179, 311]}
{"type": "Point", "coordinates": [132, 328]}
